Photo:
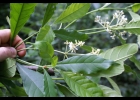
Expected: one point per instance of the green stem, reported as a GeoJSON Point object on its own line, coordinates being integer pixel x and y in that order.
{"type": "Point", "coordinates": [26, 49]}
{"type": "Point", "coordinates": [96, 32]}
{"type": "Point", "coordinates": [58, 78]}
{"type": "Point", "coordinates": [26, 39]}
{"type": "Point", "coordinates": [70, 24]}
{"type": "Point", "coordinates": [27, 63]}
{"type": "Point", "coordinates": [89, 29]}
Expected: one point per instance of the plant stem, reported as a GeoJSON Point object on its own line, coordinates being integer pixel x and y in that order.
{"type": "Point", "coordinates": [58, 78]}
{"type": "Point", "coordinates": [25, 39]}
{"type": "Point", "coordinates": [70, 24]}
{"type": "Point", "coordinates": [96, 32]}
{"type": "Point", "coordinates": [89, 29]}
{"type": "Point", "coordinates": [26, 49]}
{"type": "Point", "coordinates": [27, 63]}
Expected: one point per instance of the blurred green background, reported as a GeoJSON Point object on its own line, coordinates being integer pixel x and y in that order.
{"type": "Point", "coordinates": [129, 85]}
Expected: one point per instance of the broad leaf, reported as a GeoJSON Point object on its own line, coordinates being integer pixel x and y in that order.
{"type": "Point", "coordinates": [120, 53]}
{"type": "Point", "coordinates": [19, 15]}
{"type": "Point", "coordinates": [114, 85]}
{"type": "Point", "coordinates": [13, 88]}
{"type": "Point", "coordinates": [136, 7]}
{"type": "Point", "coordinates": [108, 92]}
{"type": "Point", "coordinates": [135, 61]}
{"type": "Point", "coordinates": [49, 86]}
{"type": "Point", "coordinates": [70, 35]}
{"type": "Point", "coordinates": [85, 64]}
{"type": "Point", "coordinates": [65, 90]}
{"type": "Point", "coordinates": [46, 50]}
{"type": "Point", "coordinates": [132, 27]}
{"type": "Point", "coordinates": [74, 11]}
{"type": "Point", "coordinates": [8, 67]}
{"type": "Point", "coordinates": [135, 17]}
{"type": "Point", "coordinates": [32, 81]}
{"type": "Point", "coordinates": [1, 93]}
{"type": "Point", "coordinates": [82, 86]}
{"type": "Point", "coordinates": [45, 34]}
{"type": "Point", "coordinates": [51, 7]}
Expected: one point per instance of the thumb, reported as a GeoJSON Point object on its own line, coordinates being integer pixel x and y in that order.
{"type": "Point", "coordinates": [7, 52]}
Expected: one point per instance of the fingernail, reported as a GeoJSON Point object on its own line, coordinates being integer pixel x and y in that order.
{"type": "Point", "coordinates": [13, 52]}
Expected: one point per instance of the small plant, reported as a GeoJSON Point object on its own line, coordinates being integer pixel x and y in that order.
{"type": "Point", "coordinates": [80, 72]}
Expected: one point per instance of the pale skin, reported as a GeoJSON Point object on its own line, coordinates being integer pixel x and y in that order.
{"type": "Point", "coordinates": [7, 51]}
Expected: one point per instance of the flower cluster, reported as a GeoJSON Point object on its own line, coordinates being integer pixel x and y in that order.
{"type": "Point", "coordinates": [95, 51]}
{"type": "Point", "coordinates": [74, 46]}
{"type": "Point", "coordinates": [121, 20]}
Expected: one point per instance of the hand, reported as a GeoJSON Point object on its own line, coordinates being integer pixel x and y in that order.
{"type": "Point", "coordinates": [7, 51]}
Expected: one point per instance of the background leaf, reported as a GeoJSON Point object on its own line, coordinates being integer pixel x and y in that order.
{"type": "Point", "coordinates": [136, 7]}
{"type": "Point", "coordinates": [85, 64]}
{"type": "Point", "coordinates": [49, 12]}
{"type": "Point", "coordinates": [108, 92]}
{"type": "Point", "coordinates": [74, 11]}
{"type": "Point", "coordinates": [70, 35]}
{"type": "Point", "coordinates": [32, 81]}
{"type": "Point", "coordinates": [8, 67]}
{"type": "Point", "coordinates": [45, 34]}
{"type": "Point", "coordinates": [49, 86]}
{"type": "Point", "coordinates": [132, 27]}
{"type": "Point", "coordinates": [64, 89]}
{"type": "Point", "coordinates": [81, 86]}
{"type": "Point", "coordinates": [19, 14]}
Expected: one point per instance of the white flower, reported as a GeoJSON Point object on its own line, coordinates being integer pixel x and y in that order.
{"type": "Point", "coordinates": [72, 47]}
{"type": "Point", "coordinates": [97, 18]}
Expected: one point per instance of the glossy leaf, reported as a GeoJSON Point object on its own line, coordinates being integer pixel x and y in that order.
{"type": "Point", "coordinates": [70, 35]}
{"type": "Point", "coordinates": [19, 15]}
{"type": "Point", "coordinates": [49, 86]}
{"type": "Point", "coordinates": [114, 85]}
{"type": "Point", "coordinates": [32, 81]}
{"type": "Point", "coordinates": [46, 50]}
{"type": "Point", "coordinates": [8, 67]}
{"type": "Point", "coordinates": [136, 7]}
{"type": "Point", "coordinates": [74, 11]}
{"type": "Point", "coordinates": [135, 17]}
{"type": "Point", "coordinates": [51, 7]}
{"type": "Point", "coordinates": [132, 27]}
{"type": "Point", "coordinates": [45, 34]}
{"type": "Point", "coordinates": [120, 53]}
{"type": "Point", "coordinates": [85, 64]}
{"type": "Point", "coordinates": [65, 90]}
{"type": "Point", "coordinates": [108, 92]}
{"type": "Point", "coordinates": [82, 86]}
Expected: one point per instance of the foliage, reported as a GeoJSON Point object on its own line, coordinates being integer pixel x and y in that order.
{"type": "Point", "coordinates": [64, 72]}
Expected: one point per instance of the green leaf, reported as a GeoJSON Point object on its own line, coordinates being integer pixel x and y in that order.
{"type": "Point", "coordinates": [74, 11]}
{"type": "Point", "coordinates": [8, 67]}
{"type": "Point", "coordinates": [136, 7]}
{"type": "Point", "coordinates": [1, 93]}
{"type": "Point", "coordinates": [51, 7]}
{"type": "Point", "coordinates": [108, 92]}
{"type": "Point", "coordinates": [87, 48]}
{"type": "Point", "coordinates": [46, 50]}
{"type": "Point", "coordinates": [49, 86]}
{"type": "Point", "coordinates": [19, 14]}
{"type": "Point", "coordinates": [65, 90]}
{"type": "Point", "coordinates": [85, 64]}
{"type": "Point", "coordinates": [114, 85]}
{"type": "Point", "coordinates": [129, 70]}
{"type": "Point", "coordinates": [120, 53]}
{"type": "Point", "coordinates": [70, 35]}
{"type": "Point", "coordinates": [135, 61]}
{"type": "Point", "coordinates": [13, 88]}
{"type": "Point", "coordinates": [132, 27]}
{"type": "Point", "coordinates": [93, 79]}
{"type": "Point", "coordinates": [32, 81]}
{"type": "Point", "coordinates": [45, 34]}
{"type": "Point", "coordinates": [135, 17]}
{"type": "Point", "coordinates": [54, 61]}
{"type": "Point", "coordinates": [81, 86]}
